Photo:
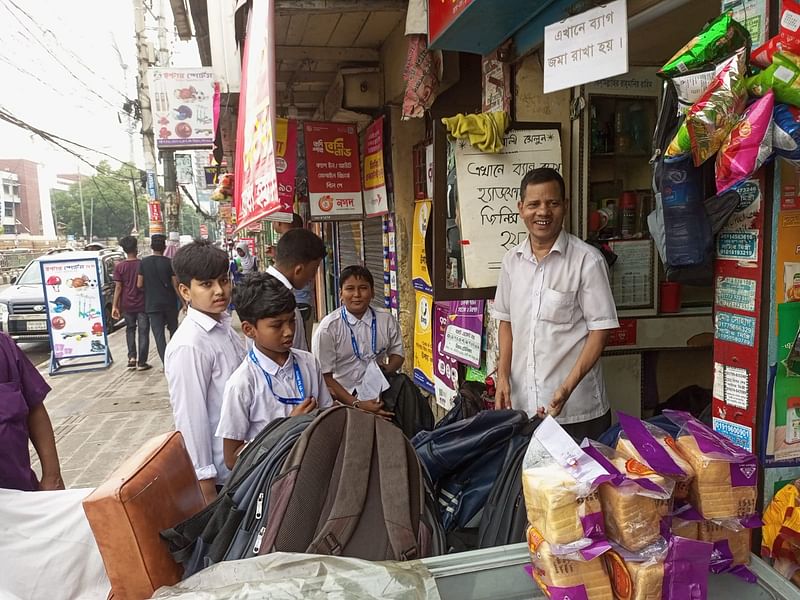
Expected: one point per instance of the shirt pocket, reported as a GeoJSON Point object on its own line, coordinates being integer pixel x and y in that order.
{"type": "Point", "coordinates": [13, 407]}
{"type": "Point", "coordinates": [557, 307]}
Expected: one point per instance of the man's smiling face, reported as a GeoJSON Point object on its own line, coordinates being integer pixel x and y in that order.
{"type": "Point", "coordinates": [542, 209]}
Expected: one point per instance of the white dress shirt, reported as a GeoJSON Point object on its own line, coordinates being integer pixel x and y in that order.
{"type": "Point", "coordinates": [552, 305]}
{"type": "Point", "coordinates": [249, 405]}
{"type": "Point", "coordinates": [299, 341]}
{"type": "Point", "coordinates": [333, 346]}
{"type": "Point", "coordinates": [200, 358]}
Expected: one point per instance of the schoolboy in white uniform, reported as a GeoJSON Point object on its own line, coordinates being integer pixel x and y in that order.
{"type": "Point", "coordinates": [350, 339]}
{"type": "Point", "coordinates": [274, 380]}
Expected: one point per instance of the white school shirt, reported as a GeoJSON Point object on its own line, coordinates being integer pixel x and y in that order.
{"type": "Point", "coordinates": [248, 404]}
{"type": "Point", "coordinates": [333, 347]}
{"type": "Point", "coordinates": [552, 306]}
{"type": "Point", "coordinates": [200, 358]}
{"type": "Point", "coordinates": [299, 341]}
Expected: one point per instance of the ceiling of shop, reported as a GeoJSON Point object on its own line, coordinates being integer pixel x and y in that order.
{"type": "Point", "coordinates": [315, 38]}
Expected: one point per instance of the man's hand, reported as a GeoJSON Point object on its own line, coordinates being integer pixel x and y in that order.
{"type": "Point", "coordinates": [115, 313]}
{"type": "Point", "coordinates": [375, 407]}
{"type": "Point", "coordinates": [502, 394]}
{"type": "Point", "coordinates": [51, 482]}
{"type": "Point", "coordinates": [559, 400]}
{"type": "Point", "coordinates": [303, 409]}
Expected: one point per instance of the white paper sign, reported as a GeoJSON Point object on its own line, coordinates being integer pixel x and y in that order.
{"type": "Point", "coordinates": [462, 344]}
{"type": "Point", "coordinates": [590, 46]}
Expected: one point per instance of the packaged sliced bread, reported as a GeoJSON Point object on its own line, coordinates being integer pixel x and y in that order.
{"type": "Point", "coordinates": [560, 482]}
{"type": "Point", "coordinates": [565, 577]}
{"type": "Point", "coordinates": [724, 485]}
{"type": "Point", "coordinates": [655, 448]}
{"type": "Point", "coordinates": [731, 543]}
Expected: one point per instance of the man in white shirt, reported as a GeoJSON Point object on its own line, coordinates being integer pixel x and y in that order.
{"type": "Point", "coordinates": [555, 308]}
{"type": "Point", "coordinates": [201, 357]}
{"type": "Point", "coordinates": [357, 340]}
{"type": "Point", "coordinates": [297, 257]}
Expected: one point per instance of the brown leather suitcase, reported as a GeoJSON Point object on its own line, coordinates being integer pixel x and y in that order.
{"type": "Point", "coordinates": [154, 489]}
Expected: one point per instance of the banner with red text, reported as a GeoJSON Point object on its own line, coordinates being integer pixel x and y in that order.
{"type": "Point", "coordinates": [334, 176]}
{"type": "Point", "coordinates": [376, 200]}
{"type": "Point", "coordinates": [285, 165]}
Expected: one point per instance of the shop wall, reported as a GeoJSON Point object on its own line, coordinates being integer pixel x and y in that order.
{"type": "Point", "coordinates": [404, 135]}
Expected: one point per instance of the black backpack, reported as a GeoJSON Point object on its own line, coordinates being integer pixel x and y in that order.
{"type": "Point", "coordinates": [412, 412]}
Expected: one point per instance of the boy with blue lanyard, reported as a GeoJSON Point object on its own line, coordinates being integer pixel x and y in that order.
{"type": "Point", "coordinates": [274, 380]}
{"type": "Point", "coordinates": [356, 338]}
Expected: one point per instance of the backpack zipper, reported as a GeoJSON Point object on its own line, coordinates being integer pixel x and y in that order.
{"type": "Point", "coordinates": [259, 505]}
{"type": "Point", "coordinates": [260, 537]}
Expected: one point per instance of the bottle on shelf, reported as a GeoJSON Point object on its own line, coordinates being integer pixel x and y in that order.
{"type": "Point", "coordinates": [628, 208]}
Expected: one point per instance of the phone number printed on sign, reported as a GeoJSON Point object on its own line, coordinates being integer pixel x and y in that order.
{"type": "Point", "coordinates": [736, 293]}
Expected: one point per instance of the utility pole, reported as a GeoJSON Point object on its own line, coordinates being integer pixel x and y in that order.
{"type": "Point", "coordinates": [80, 194]}
{"type": "Point", "coordinates": [171, 198]}
{"type": "Point", "coordinates": [143, 87]}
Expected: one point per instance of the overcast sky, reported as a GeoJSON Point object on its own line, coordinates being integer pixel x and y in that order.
{"type": "Point", "coordinates": [82, 98]}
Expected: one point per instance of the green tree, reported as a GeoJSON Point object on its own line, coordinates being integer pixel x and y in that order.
{"type": "Point", "coordinates": [108, 201]}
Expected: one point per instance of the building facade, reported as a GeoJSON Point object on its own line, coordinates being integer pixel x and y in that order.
{"type": "Point", "coordinates": [33, 214]}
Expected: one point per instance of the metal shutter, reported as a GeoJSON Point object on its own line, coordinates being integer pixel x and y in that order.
{"type": "Point", "coordinates": [348, 246]}
{"type": "Point", "coordinates": [373, 257]}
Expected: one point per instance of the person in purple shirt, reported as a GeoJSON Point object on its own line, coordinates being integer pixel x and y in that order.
{"type": "Point", "coordinates": [23, 417]}
{"type": "Point", "coordinates": [129, 301]}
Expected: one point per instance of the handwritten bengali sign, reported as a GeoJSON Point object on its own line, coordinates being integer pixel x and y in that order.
{"type": "Point", "coordinates": [587, 47]}
{"type": "Point", "coordinates": [488, 192]}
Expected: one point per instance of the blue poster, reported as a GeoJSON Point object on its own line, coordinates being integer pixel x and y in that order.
{"type": "Point", "coordinates": [735, 328]}
{"type": "Point", "coordinates": [741, 435]}
{"type": "Point", "coordinates": [736, 293]}
{"type": "Point", "coordinates": [738, 245]}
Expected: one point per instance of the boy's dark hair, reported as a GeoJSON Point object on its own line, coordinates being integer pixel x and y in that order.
{"type": "Point", "coordinates": [297, 221]}
{"type": "Point", "coordinates": [541, 175]}
{"type": "Point", "coordinates": [358, 272]}
{"type": "Point", "coordinates": [299, 247]}
{"type": "Point", "coordinates": [129, 244]}
{"type": "Point", "coordinates": [158, 242]}
{"type": "Point", "coordinates": [199, 260]}
{"type": "Point", "coordinates": [262, 296]}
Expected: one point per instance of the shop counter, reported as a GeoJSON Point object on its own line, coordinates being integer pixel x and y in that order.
{"type": "Point", "coordinates": [498, 574]}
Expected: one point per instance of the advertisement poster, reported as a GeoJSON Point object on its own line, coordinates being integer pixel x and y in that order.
{"type": "Point", "coordinates": [73, 293]}
{"type": "Point", "coordinates": [423, 342]}
{"type": "Point", "coordinates": [391, 291]}
{"type": "Point", "coordinates": [152, 185]}
{"type": "Point", "coordinates": [445, 372]}
{"type": "Point", "coordinates": [183, 169]}
{"type": "Point", "coordinates": [420, 278]}
{"type": "Point", "coordinates": [256, 185]}
{"type": "Point", "coordinates": [441, 15]}
{"type": "Point", "coordinates": [183, 103]}
{"type": "Point", "coordinates": [334, 175]}
{"type": "Point", "coordinates": [463, 335]}
{"type": "Point", "coordinates": [376, 199]}
{"type": "Point", "coordinates": [286, 164]}
{"type": "Point", "coordinates": [156, 217]}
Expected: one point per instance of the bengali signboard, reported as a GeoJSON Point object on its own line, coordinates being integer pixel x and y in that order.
{"type": "Point", "coordinates": [420, 278]}
{"type": "Point", "coordinates": [376, 198]}
{"type": "Point", "coordinates": [156, 217]}
{"type": "Point", "coordinates": [286, 164]}
{"type": "Point", "coordinates": [76, 318]}
{"type": "Point", "coordinates": [334, 176]}
{"type": "Point", "coordinates": [183, 103]}
{"type": "Point", "coordinates": [423, 342]}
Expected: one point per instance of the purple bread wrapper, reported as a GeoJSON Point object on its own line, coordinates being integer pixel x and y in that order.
{"type": "Point", "coordinates": [617, 477]}
{"type": "Point", "coordinates": [577, 592]}
{"type": "Point", "coordinates": [686, 570]}
{"type": "Point", "coordinates": [653, 453]}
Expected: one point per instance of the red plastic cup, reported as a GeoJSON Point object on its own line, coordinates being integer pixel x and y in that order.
{"type": "Point", "coordinates": [670, 297]}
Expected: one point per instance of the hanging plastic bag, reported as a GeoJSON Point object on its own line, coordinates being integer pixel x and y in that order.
{"type": "Point", "coordinates": [719, 37]}
{"type": "Point", "coordinates": [748, 146]}
{"type": "Point", "coordinates": [782, 77]}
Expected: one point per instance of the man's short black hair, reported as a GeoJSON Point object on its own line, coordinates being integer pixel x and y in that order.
{"type": "Point", "coordinates": [541, 175]}
{"type": "Point", "coordinates": [299, 247]}
{"type": "Point", "coordinates": [358, 272]}
{"type": "Point", "coordinates": [199, 260]}
{"type": "Point", "coordinates": [158, 242]}
{"type": "Point", "coordinates": [129, 244]}
{"type": "Point", "coordinates": [262, 296]}
{"type": "Point", "coordinates": [297, 221]}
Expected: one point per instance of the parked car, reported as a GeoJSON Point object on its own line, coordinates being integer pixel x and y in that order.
{"type": "Point", "coordinates": [23, 312]}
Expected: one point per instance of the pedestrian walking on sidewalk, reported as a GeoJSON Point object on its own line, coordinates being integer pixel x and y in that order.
{"type": "Point", "coordinates": [201, 357]}
{"type": "Point", "coordinates": [129, 301]}
{"type": "Point", "coordinates": [160, 287]}
{"type": "Point", "coordinates": [23, 417]}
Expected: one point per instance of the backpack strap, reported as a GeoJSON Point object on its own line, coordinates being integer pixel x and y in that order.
{"type": "Point", "coordinates": [351, 489]}
{"type": "Point", "coordinates": [394, 473]}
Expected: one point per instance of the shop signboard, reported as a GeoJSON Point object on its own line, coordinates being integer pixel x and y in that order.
{"type": "Point", "coordinates": [183, 169]}
{"type": "Point", "coordinates": [256, 185]}
{"type": "Point", "coordinates": [225, 212]}
{"type": "Point", "coordinates": [152, 185]}
{"type": "Point", "coordinates": [334, 174]}
{"type": "Point", "coordinates": [76, 319]}
{"type": "Point", "coordinates": [445, 368]}
{"type": "Point", "coordinates": [376, 198]}
{"type": "Point", "coordinates": [285, 166]}
{"type": "Point", "coordinates": [464, 331]}
{"type": "Point", "coordinates": [423, 342]}
{"type": "Point", "coordinates": [737, 324]}
{"type": "Point", "coordinates": [442, 14]}
{"type": "Point", "coordinates": [752, 14]}
{"type": "Point", "coordinates": [156, 217]}
{"type": "Point", "coordinates": [587, 47]}
{"type": "Point", "coordinates": [420, 278]}
{"type": "Point", "coordinates": [183, 103]}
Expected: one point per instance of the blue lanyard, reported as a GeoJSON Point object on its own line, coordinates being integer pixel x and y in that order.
{"type": "Point", "coordinates": [298, 380]}
{"type": "Point", "coordinates": [374, 328]}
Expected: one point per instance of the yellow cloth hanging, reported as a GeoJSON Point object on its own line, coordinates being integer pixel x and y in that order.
{"type": "Point", "coordinates": [485, 131]}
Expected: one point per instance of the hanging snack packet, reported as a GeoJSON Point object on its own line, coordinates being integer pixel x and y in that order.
{"type": "Point", "coordinates": [782, 77]}
{"type": "Point", "coordinates": [719, 37]}
{"type": "Point", "coordinates": [763, 55]}
{"type": "Point", "coordinates": [711, 118]}
{"type": "Point", "coordinates": [681, 144]}
{"type": "Point", "coordinates": [790, 25]}
{"type": "Point", "coordinates": [786, 131]}
{"type": "Point", "coordinates": [691, 86]}
{"type": "Point", "coordinates": [748, 146]}
{"type": "Point", "coordinates": [780, 535]}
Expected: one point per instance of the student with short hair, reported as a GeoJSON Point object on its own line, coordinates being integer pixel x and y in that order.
{"type": "Point", "coordinates": [274, 380]}
{"type": "Point", "coordinates": [201, 357]}
{"type": "Point", "coordinates": [352, 337]}
{"type": "Point", "coordinates": [304, 296]}
{"type": "Point", "coordinates": [129, 302]}
{"type": "Point", "coordinates": [157, 280]}
{"type": "Point", "coordinates": [297, 258]}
